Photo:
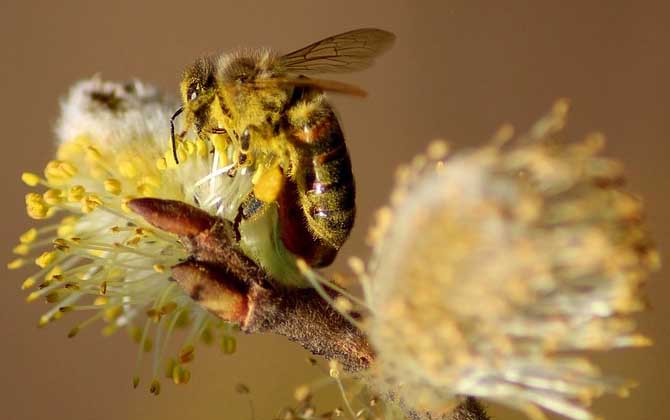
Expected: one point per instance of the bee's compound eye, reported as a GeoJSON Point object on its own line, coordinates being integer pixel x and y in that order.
{"type": "Point", "coordinates": [192, 93]}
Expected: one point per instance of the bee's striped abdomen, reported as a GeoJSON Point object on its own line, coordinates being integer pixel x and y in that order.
{"type": "Point", "coordinates": [322, 171]}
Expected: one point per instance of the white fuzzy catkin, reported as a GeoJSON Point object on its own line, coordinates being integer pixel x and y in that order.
{"type": "Point", "coordinates": [494, 268]}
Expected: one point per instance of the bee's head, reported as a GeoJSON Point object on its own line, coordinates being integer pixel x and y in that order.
{"type": "Point", "coordinates": [198, 90]}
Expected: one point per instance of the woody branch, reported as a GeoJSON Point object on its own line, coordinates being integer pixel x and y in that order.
{"type": "Point", "coordinates": [237, 290]}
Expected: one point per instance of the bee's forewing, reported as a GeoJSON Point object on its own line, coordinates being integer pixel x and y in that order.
{"type": "Point", "coordinates": [347, 52]}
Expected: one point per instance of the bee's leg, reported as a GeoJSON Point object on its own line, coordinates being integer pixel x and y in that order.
{"type": "Point", "coordinates": [249, 208]}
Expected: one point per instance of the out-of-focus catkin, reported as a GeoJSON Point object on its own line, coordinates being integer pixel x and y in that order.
{"type": "Point", "coordinates": [494, 268]}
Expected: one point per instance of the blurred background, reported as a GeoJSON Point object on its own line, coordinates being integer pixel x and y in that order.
{"type": "Point", "coordinates": [458, 70]}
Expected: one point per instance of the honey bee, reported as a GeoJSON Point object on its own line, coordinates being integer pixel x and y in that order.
{"type": "Point", "coordinates": [282, 127]}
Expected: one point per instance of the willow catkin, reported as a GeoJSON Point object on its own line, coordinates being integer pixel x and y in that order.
{"type": "Point", "coordinates": [494, 266]}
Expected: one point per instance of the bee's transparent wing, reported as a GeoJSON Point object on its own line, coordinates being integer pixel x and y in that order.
{"type": "Point", "coordinates": [343, 53]}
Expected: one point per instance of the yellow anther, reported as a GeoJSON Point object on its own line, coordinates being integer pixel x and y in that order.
{"type": "Point", "coordinates": [127, 169]}
{"type": "Point", "coordinates": [159, 268]}
{"type": "Point", "coordinates": [50, 212]}
{"type": "Point", "coordinates": [69, 220]}
{"type": "Point", "coordinates": [109, 329]}
{"type": "Point", "coordinates": [93, 153]}
{"type": "Point", "coordinates": [56, 273]}
{"type": "Point", "coordinates": [100, 301]}
{"type": "Point", "coordinates": [342, 304]}
{"type": "Point", "coordinates": [61, 244]}
{"type": "Point", "coordinates": [124, 204]}
{"type": "Point", "coordinates": [180, 375]}
{"type": "Point", "coordinates": [36, 207]}
{"type": "Point", "coordinates": [76, 193]}
{"type": "Point", "coordinates": [112, 313]}
{"type": "Point", "coordinates": [68, 150]}
{"type": "Point", "coordinates": [201, 148]}
{"type": "Point", "coordinates": [190, 147]}
{"type": "Point", "coordinates": [161, 164]}
{"type": "Point", "coordinates": [73, 332]}
{"type": "Point", "coordinates": [90, 203]}
{"type": "Point", "coordinates": [437, 150]}
{"type": "Point", "coordinates": [53, 196]}
{"type": "Point", "coordinates": [148, 345]}
{"type": "Point", "coordinates": [21, 249]}
{"type": "Point", "coordinates": [37, 210]}
{"type": "Point", "coordinates": [146, 190]}
{"type": "Point", "coordinates": [301, 393]}
{"type": "Point", "coordinates": [134, 240]}
{"type": "Point", "coordinates": [16, 264]}
{"type": "Point", "coordinates": [113, 186]}
{"type": "Point", "coordinates": [28, 283]}
{"type": "Point", "coordinates": [68, 169]}
{"type": "Point", "coordinates": [98, 172]}
{"type": "Point", "coordinates": [81, 140]}
{"type": "Point", "coordinates": [44, 320]}
{"type": "Point", "coordinates": [33, 198]}
{"type": "Point", "coordinates": [28, 236]}
{"type": "Point", "coordinates": [53, 173]}
{"type": "Point", "coordinates": [30, 179]}
{"type": "Point", "coordinates": [155, 387]}
{"type": "Point", "coordinates": [56, 296]}
{"type": "Point", "coordinates": [169, 159]}
{"type": "Point", "coordinates": [151, 180]}
{"type": "Point", "coordinates": [65, 229]}
{"type": "Point", "coordinates": [228, 344]}
{"type": "Point", "coordinates": [187, 354]}
{"type": "Point", "coordinates": [33, 296]}
{"type": "Point", "coordinates": [182, 155]}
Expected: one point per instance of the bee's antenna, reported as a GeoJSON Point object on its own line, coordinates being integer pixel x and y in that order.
{"type": "Point", "coordinates": [174, 142]}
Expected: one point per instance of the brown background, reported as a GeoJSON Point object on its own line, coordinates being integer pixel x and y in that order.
{"type": "Point", "coordinates": [458, 69]}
